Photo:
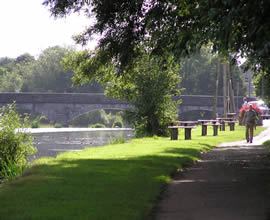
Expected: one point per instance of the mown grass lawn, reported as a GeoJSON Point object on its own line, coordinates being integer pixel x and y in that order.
{"type": "Point", "coordinates": [121, 181]}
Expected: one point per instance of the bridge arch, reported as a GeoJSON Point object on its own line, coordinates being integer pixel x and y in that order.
{"type": "Point", "coordinates": [62, 107]}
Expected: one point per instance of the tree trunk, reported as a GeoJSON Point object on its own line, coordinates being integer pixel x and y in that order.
{"type": "Point", "coordinates": [232, 106]}
{"type": "Point", "coordinates": [262, 90]}
{"type": "Point", "coordinates": [216, 90]}
{"type": "Point", "coordinates": [225, 89]}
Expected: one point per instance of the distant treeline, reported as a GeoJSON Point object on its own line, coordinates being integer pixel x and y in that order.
{"type": "Point", "coordinates": [42, 74]}
{"type": "Point", "coordinates": [46, 74]}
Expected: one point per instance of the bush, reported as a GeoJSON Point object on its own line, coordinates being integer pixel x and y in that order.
{"type": "Point", "coordinates": [35, 124]}
{"type": "Point", "coordinates": [120, 140]}
{"type": "Point", "coordinates": [98, 117]}
{"type": "Point", "coordinates": [9, 169]}
{"type": "Point", "coordinates": [113, 118]}
{"type": "Point", "coordinates": [98, 125]}
{"type": "Point", "coordinates": [58, 125]}
{"type": "Point", "coordinates": [23, 111]}
{"type": "Point", "coordinates": [117, 124]}
{"type": "Point", "coordinates": [15, 145]}
{"type": "Point", "coordinates": [267, 145]}
{"type": "Point", "coordinates": [43, 119]}
{"type": "Point", "coordinates": [92, 117]}
{"type": "Point", "coordinates": [80, 121]}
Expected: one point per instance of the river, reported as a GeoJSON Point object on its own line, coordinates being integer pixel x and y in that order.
{"type": "Point", "coordinates": [52, 141]}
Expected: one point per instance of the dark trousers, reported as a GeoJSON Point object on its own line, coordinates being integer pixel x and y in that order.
{"type": "Point", "coordinates": [249, 131]}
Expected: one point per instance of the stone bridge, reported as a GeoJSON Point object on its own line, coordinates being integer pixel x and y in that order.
{"type": "Point", "coordinates": [205, 103]}
{"type": "Point", "coordinates": [63, 107]}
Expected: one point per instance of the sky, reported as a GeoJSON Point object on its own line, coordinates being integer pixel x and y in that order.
{"type": "Point", "coordinates": [26, 26]}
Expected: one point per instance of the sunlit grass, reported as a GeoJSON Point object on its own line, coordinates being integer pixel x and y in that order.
{"type": "Point", "coordinates": [119, 181]}
{"type": "Point", "coordinates": [46, 126]}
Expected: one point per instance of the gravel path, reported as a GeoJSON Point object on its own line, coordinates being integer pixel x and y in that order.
{"type": "Point", "coordinates": [232, 182]}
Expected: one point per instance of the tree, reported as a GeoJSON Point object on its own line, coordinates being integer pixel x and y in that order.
{"type": "Point", "coordinates": [12, 72]}
{"type": "Point", "coordinates": [239, 27]}
{"type": "Point", "coordinates": [47, 73]}
{"type": "Point", "coordinates": [216, 89]}
{"type": "Point", "coordinates": [5, 60]}
{"type": "Point", "coordinates": [11, 82]}
{"type": "Point", "coordinates": [262, 89]}
{"type": "Point", "coordinates": [25, 58]}
{"type": "Point", "coordinates": [198, 74]}
{"type": "Point", "coordinates": [150, 89]}
{"type": "Point", "coordinates": [149, 86]}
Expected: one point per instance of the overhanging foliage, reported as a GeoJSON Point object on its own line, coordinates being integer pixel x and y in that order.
{"type": "Point", "coordinates": [233, 27]}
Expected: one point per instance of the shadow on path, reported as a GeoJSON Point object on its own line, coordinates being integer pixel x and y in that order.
{"type": "Point", "coordinates": [231, 182]}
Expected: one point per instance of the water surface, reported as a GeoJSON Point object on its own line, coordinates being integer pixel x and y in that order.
{"type": "Point", "coordinates": [52, 141]}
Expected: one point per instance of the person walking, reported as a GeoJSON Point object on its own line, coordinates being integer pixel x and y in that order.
{"type": "Point", "coordinates": [250, 120]}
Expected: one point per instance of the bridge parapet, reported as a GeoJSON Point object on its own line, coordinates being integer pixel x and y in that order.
{"type": "Point", "coordinates": [59, 98]}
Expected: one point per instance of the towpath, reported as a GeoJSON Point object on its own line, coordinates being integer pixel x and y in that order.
{"type": "Point", "coordinates": [232, 182]}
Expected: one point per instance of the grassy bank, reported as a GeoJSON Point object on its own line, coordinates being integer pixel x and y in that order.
{"type": "Point", "coordinates": [121, 181]}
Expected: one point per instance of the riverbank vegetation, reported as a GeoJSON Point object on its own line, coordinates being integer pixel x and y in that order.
{"type": "Point", "coordinates": [119, 181]}
{"type": "Point", "coordinates": [15, 146]}
{"type": "Point", "coordinates": [92, 119]}
{"type": "Point", "coordinates": [267, 144]}
{"type": "Point", "coordinates": [108, 118]}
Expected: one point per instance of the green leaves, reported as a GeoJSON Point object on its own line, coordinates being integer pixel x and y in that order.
{"type": "Point", "coordinates": [261, 81]}
{"type": "Point", "coordinates": [9, 169]}
{"type": "Point", "coordinates": [16, 144]}
{"type": "Point", "coordinates": [180, 27]}
{"type": "Point", "coordinates": [44, 74]}
{"type": "Point", "coordinates": [198, 74]}
{"type": "Point", "coordinates": [148, 83]}
{"type": "Point", "coordinates": [149, 86]}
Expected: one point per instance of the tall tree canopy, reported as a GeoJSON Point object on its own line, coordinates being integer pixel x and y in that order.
{"type": "Point", "coordinates": [198, 74]}
{"type": "Point", "coordinates": [238, 27]}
